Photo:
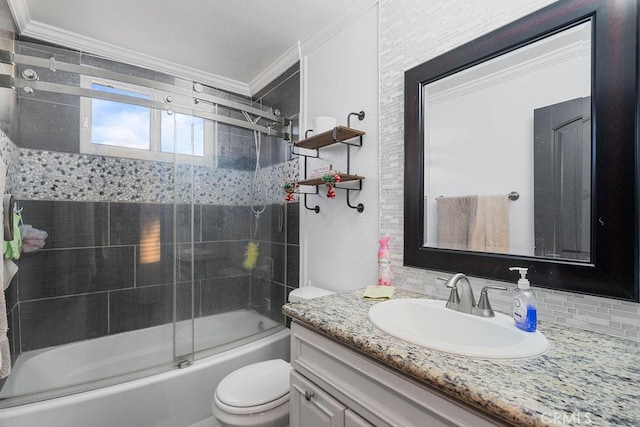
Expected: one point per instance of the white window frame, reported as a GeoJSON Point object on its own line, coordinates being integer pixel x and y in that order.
{"type": "Point", "coordinates": [154, 152]}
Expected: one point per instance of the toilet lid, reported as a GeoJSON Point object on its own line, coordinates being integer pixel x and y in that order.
{"type": "Point", "coordinates": [255, 384]}
{"type": "Point", "coordinates": [307, 293]}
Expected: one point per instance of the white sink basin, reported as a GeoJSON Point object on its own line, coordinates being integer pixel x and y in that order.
{"type": "Point", "coordinates": [430, 324]}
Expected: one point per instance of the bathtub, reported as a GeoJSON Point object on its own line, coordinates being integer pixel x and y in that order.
{"type": "Point", "coordinates": [174, 398]}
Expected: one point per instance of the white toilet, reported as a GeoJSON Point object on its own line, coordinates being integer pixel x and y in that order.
{"type": "Point", "coordinates": [257, 395]}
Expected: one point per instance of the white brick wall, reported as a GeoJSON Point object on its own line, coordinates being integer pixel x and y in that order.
{"type": "Point", "coordinates": [411, 32]}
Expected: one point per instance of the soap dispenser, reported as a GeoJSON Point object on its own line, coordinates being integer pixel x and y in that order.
{"type": "Point", "coordinates": [524, 303]}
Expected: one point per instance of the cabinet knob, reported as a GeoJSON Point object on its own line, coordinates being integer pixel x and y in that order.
{"type": "Point", "coordinates": [308, 395]}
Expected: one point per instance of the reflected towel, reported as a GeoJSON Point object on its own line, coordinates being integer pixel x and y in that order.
{"type": "Point", "coordinates": [490, 227]}
{"type": "Point", "coordinates": [456, 216]}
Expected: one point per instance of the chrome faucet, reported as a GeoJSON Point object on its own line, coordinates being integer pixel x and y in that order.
{"type": "Point", "coordinates": [461, 297]}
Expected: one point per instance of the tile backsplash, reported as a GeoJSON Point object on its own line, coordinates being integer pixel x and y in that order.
{"type": "Point", "coordinates": [606, 315]}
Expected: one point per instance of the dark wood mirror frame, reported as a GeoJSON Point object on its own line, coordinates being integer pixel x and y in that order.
{"type": "Point", "coordinates": [613, 270]}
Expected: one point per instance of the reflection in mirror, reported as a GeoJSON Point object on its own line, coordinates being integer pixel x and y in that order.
{"type": "Point", "coordinates": [573, 160]}
{"type": "Point", "coordinates": [520, 122]}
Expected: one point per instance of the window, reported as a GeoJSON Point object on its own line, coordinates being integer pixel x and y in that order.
{"type": "Point", "coordinates": [118, 124]}
{"type": "Point", "coordinates": [120, 129]}
{"type": "Point", "coordinates": [182, 134]}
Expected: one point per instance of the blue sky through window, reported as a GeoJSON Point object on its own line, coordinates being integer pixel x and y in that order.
{"type": "Point", "coordinates": [119, 124]}
{"type": "Point", "coordinates": [184, 143]}
{"type": "Point", "coordinates": [130, 126]}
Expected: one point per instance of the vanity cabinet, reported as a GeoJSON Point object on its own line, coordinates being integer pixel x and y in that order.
{"type": "Point", "coordinates": [311, 406]}
{"type": "Point", "coordinates": [351, 419]}
{"type": "Point", "coordinates": [332, 385]}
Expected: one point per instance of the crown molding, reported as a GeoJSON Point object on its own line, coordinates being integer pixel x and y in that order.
{"type": "Point", "coordinates": [20, 13]}
{"type": "Point", "coordinates": [86, 44]}
{"type": "Point", "coordinates": [50, 34]}
{"type": "Point", "coordinates": [282, 64]}
{"type": "Point", "coordinates": [341, 23]}
{"type": "Point", "coordinates": [72, 40]}
{"type": "Point", "coordinates": [293, 55]}
{"type": "Point", "coordinates": [563, 47]}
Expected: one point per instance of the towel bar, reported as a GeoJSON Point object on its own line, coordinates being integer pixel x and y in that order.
{"type": "Point", "coordinates": [513, 196]}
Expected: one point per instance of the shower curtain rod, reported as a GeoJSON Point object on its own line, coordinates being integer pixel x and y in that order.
{"type": "Point", "coordinates": [56, 65]}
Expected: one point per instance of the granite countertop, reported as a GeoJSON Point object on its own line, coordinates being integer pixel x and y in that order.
{"type": "Point", "coordinates": [586, 378]}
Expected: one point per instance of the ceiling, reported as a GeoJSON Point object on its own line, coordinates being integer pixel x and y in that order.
{"type": "Point", "coordinates": [237, 45]}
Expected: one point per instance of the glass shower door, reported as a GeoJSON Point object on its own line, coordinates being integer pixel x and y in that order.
{"type": "Point", "coordinates": [143, 183]}
{"type": "Point", "coordinates": [184, 135]}
{"type": "Point", "coordinates": [96, 305]}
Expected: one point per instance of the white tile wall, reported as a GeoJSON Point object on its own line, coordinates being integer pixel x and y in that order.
{"type": "Point", "coordinates": [411, 32]}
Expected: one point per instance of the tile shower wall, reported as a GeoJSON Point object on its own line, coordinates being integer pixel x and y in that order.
{"type": "Point", "coordinates": [94, 277]}
{"type": "Point", "coordinates": [276, 230]}
{"type": "Point", "coordinates": [434, 27]}
{"type": "Point", "coordinates": [91, 279]}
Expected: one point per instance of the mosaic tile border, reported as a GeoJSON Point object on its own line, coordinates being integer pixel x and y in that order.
{"type": "Point", "coordinates": [46, 175]}
{"type": "Point", "coordinates": [9, 153]}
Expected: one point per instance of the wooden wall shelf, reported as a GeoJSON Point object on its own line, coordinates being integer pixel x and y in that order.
{"type": "Point", "coordinates": [344, 177]}
{"type": "Point", "coordinates": [339, 134]}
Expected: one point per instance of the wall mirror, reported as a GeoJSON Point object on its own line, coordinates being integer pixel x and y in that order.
{"type": "Point", "coordinates": [520, 149]}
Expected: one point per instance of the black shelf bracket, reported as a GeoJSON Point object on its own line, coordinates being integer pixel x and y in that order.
{"type": "Point", "coordinates": [292, 151]}
{"type": "Point", "coordinates": [298, 153]}
{"type": "Point", "coordinates": [360, 117]}
{"type": "Point", "coordinates": [317, 208]}
{"type": "Point", "coordinates": [359, 207]}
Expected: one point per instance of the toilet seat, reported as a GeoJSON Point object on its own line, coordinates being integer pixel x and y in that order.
{"type": "Point", "coordinates": [255, 388]}
{"type": "Point", "coordinates": [248, 410]}
{"type": "Point", "coordinates": [307, 293]}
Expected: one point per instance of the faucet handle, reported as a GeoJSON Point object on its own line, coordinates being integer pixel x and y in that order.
{"type": "Point", "coordinates": [450, 282]}
{"type": "Point", "coordinates": [454, 298]}
{"type": "Point", "coordinates": [447, 282]}
{"type": "Point", "coordinates": [484, 307]}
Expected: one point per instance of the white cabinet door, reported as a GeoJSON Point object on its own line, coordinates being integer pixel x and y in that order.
{"type": "Point", "coordinates": [351, 419]}
{"type": "Point", "coordinates": [311, 406]}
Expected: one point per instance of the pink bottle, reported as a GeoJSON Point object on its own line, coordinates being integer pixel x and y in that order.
{"type": "Point", "coordinates": [384, 262]}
